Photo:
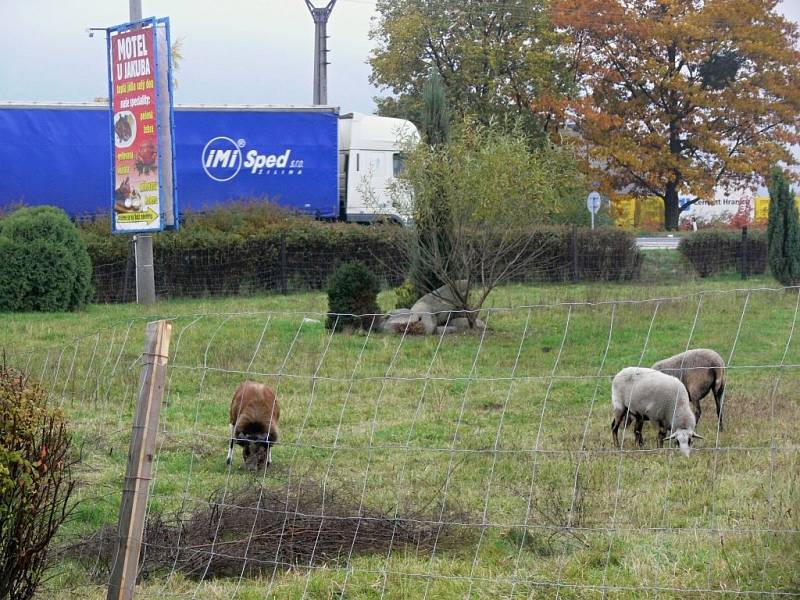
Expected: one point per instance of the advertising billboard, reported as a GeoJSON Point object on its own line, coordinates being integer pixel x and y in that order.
{"type": "Point", "coordinates": [59, 155]}
{"type": "Point", "coordinates": [141, 127]}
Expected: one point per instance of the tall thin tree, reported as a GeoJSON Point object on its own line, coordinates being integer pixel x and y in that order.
{"type": "Point", "coordinates": [435, 113]}
{"type": "Point", "coordinates": [434, 226]}
{"type": "Point", "coordinates": [783, 231]}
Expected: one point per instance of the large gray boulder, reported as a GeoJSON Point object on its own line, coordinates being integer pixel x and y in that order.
{"type": "Point", "coordinates": [436, 312]}
{"type": "Point", "coordinates": [440, 303]}
{"type": "Point", "coordinates": [462, 324]}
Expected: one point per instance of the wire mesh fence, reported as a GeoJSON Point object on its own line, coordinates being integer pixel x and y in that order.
{"type": "Point", "coordinates": [448, 466]}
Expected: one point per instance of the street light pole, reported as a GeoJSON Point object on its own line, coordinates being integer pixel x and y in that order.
{"type": "Point", "coordinates": [320, 16]}
{"type": "Point", "coordinates": [135, 7]}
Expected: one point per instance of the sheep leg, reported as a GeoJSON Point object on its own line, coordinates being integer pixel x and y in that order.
{"type": "Point", "coordinates": [619, 415]}
{"type": "Point", "coordinates": [696, 408]}
{"type": "Point", "coordinates": [230, 449]}
{"type": "Point", "coordinates": [638, 430]}
{"type": "Point", "coordinates": [614, 427]}
{"type": "Point", "coordinates": [718, 401]}
{"type": "Point", "coordinates": [662, 434]}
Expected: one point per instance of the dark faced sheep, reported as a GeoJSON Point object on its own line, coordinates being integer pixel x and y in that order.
{"type": "Point", "coordinates": [254, 419]}
{"type": "Point", "coordinates": [647, 395]}
{"type": "Point", "coordinates": [701, 370]}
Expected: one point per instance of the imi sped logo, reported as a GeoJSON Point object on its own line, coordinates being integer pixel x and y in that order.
{"type": "Point", "coordinates": [223, 158]}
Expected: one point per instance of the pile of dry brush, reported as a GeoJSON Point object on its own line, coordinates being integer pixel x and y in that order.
{"type": "Point", "coordinates": [255, 530]}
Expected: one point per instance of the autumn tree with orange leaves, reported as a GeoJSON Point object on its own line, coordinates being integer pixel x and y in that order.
{"type": "Point", "coordinates": [682, 96]}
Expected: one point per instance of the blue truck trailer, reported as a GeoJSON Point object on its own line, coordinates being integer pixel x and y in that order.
{"type": "Point", "coordinates": [305, 158]}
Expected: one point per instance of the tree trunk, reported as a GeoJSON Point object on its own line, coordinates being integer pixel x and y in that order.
{"type": "Point", "coordinates": [671, 208]}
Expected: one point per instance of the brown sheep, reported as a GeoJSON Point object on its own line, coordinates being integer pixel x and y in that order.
{"type": "Point", "coordinates": [701, 370]}
{"type": "Point", "coordinates": [254, 417]}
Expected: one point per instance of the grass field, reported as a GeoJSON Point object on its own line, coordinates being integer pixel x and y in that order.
{"type": "Point", "coordinates": [509, 430]}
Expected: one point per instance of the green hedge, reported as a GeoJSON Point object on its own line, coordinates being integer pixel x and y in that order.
{"type": "Point", "coordinates": [232, 255]}
{"type": "Point", "coordinates": [602, 254]}
{"type": "Point", "coordinates": [715, 251]}
{"type": "Point", "coordinates": [195, 262]}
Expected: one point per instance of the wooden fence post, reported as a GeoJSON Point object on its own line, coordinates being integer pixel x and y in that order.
{"type": "Point", "coordinates": [140, 461]}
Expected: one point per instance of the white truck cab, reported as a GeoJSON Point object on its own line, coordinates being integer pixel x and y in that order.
{"type": "Point", "coordinates": [370, 157]}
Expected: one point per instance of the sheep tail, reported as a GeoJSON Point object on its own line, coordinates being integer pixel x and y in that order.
{"type": "Point", "coordinates": [719, 381]}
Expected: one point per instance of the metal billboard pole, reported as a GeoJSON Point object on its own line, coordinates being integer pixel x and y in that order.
{"type": "Point", "coordinates": [143, 243]}
{"type": "Point", "coordinates": [320, 16]}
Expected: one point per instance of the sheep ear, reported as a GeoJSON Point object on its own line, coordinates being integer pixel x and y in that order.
{"type": "Point", "coordinates": [672, 435]}
{"type": "Point", "coordinates": [698, 436]}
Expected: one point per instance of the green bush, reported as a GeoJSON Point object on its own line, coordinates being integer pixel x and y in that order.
{"type": "Point", "coordinates": [715, 251]}
{"type": "Point", "coordinates": [45, 265]}
{"type": "Point", "coordinates": [406, 295]}
{"type": "Point", "coordinates": [352, 297]}
{"type": "Point", "coordinates": [36, 482]}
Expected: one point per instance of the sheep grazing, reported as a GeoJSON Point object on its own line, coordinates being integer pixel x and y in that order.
{"type": "Point", "coordinates": [646, 394]}
{"type": "Point", "coordinates": [254, 419]}
{"type": "Point", "coordinates": [701, 370]}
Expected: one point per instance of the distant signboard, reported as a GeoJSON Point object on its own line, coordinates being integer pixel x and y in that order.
{"type": "Point", "coordinates": [761, 212]}
{"type": "Point", "coordinates": [141, 126]}
{"type": "Point", "coordinates": [642, 212]}
{"type": "Point", "coordinates": [593, 202]}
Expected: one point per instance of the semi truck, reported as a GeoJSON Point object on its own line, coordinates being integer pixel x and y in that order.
{"type": "Point", "coordinates": [309, 159]}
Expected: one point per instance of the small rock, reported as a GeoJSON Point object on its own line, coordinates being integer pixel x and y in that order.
{"type": "Point", "coordinates": [462, 324]}
{"type": "Point", "coordinates": [446, 330]}
{"type": "Point", "coordinates": [404, 321]}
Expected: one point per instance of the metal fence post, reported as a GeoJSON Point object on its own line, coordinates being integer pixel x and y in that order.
{"type": "Point", "coordinates": [140, 461]}
{"type": "Point", "coordinates": [574, 243]}
{"type": "Point", "coordinates": [744, 252]}
{"type": "Point", "coordinates": [130, 264]}
{"type": "Point", "coordinates": [284, 283]}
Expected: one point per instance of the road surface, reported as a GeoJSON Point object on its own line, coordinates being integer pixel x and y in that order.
{"type": "Point", "coordinates": [658, 243]}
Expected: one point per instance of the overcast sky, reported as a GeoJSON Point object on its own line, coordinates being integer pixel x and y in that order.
{"type": "Point", "coordinates": [235, 51]}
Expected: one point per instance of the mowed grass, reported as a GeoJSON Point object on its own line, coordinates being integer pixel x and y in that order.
{"type": "Point", "coordinates": [509, 429]}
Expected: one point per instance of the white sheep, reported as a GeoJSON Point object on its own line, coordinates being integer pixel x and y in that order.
{"type": "Point", "coordinates": [701, 370]}
{"type": "Point", "coordinates": [646, 394]}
